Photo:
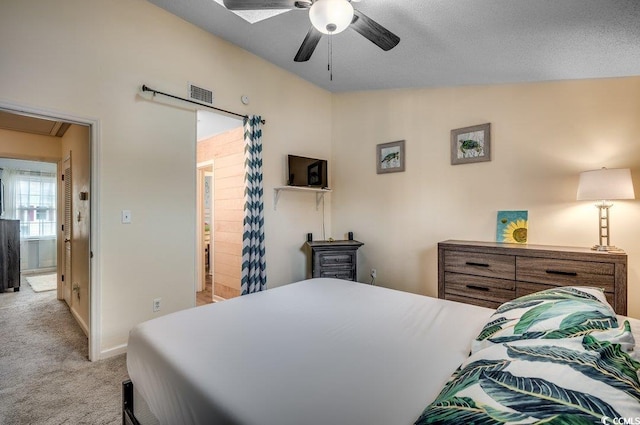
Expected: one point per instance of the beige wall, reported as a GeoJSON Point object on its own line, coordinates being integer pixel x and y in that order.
{"type": "Point", "coordinates": [15, 144]}
{"type": "Point", "coordinates": [543, 136]}
{"type": "Point", "coordinates": [227, 152]}
{"type": "Point", "coordinates": [89, 59]}
{"type": "Point", "coordinates": [76, 144]}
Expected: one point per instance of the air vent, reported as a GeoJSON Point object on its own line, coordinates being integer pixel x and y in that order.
{"type": "Point", "coordinates": [200, 94]}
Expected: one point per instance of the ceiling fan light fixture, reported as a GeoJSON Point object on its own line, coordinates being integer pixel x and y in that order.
{"type": "Point", "coordinates": [331, 16]}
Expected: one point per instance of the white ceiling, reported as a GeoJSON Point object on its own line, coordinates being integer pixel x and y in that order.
{"type": "Point", "coordinates": [445, 42]}
{"type": "Point", "coordinates": [212, 123]}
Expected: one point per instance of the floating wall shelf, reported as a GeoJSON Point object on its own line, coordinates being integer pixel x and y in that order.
{"type": "Point", "coordinates": [319, 193]}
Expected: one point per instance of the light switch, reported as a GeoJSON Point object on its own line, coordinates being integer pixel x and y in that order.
{"type": "Point", "coordinates": [126, 216]}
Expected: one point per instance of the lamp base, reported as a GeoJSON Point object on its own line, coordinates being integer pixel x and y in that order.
{"type": "Point", "coordinates": [606, 248]}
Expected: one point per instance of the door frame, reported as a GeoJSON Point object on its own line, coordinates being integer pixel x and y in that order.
{"type": "Point", "coordinates": [201, 169]}
{"type": "Point", "coordinates": [94, 244]}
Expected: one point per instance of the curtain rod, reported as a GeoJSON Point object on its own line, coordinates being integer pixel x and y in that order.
{"type": "Point", "coordinates": [147, 88]}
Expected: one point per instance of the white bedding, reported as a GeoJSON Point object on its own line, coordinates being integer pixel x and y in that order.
{"type": "Point", "coordinates": [322, 351]}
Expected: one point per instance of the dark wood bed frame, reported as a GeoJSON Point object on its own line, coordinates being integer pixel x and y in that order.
{"type": "Point", "coordinates": [128, 417]}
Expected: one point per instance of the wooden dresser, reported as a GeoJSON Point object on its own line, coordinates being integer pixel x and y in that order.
{"type": "Point", "coordinates": [491, 273]}
{"type": "Point", "coordinates": [338, 259]}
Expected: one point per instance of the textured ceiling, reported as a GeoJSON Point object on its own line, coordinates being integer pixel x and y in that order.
{"type": "Point", "coordinates": [445, 42]}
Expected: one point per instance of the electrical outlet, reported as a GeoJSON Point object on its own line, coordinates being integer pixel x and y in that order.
{"type": "Point", "coordinates": [156, 304]}
{"type": "Point", "coordinates": [373, 273]}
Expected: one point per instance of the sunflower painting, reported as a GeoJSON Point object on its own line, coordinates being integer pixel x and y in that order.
{"type": "Point", "coordinates": [512, 226]}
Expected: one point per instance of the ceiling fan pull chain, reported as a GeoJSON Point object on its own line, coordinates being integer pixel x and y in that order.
{"type": "Point", "coordinates": [330, 61]}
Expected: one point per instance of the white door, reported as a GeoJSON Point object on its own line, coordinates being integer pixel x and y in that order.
{"type": "Point", "coordinates": [67, 232]}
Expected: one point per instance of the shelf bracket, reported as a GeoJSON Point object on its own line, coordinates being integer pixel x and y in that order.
{"type": "Point", "coordinates": [319, 194]}
{"type": "Point", "coordinates": [276, 196]}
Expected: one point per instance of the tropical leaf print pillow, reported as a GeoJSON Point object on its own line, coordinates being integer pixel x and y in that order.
{"type": "Point", "coordinates": [569, 381]}
{"type": "Point", "coordinates": [563, 312]}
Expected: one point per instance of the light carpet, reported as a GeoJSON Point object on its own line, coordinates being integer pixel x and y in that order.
{"type": "Point", "coordinates": [43, 282]}
{"type": "Point", "coordinates": [45, 377]}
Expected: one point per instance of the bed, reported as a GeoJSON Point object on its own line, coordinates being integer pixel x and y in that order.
{"type": "Point", "coordinates": [327, 351]}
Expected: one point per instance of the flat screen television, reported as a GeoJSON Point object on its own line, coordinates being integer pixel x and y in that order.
{"type": "Point", "coordinates": [308, 172]}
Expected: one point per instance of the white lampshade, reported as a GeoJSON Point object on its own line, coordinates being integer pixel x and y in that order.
{"type": "Point", "coordinates": [605, 185]}
{"type": "Point", "coordinates": [331, 16]}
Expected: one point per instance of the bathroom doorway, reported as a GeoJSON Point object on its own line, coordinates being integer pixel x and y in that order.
{"type": "Point", "coordinates": [220, 206]}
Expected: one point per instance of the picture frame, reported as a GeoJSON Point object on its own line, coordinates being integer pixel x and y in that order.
{"type": "Point", "coordinates": [390, 157]}
{"type": "Point", "coordinates": [471, 144]}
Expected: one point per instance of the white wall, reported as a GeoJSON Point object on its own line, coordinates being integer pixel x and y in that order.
{"type": "Point", "coordinates": [543, 136]}
{"type": "Point", "coordinates": [89, 59]}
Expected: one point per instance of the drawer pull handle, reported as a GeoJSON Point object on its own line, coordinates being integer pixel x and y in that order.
{"type": "Point", "coordinates": [471, 263]}
{"type": "Point", "coordinates": [561, 273]}
{"type": "Point", "coordinates": [478, 288]}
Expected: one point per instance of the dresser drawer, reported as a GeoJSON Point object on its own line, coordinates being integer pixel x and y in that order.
{"type": "Point", "coordinates": [479, 287]}
{"type": "Point", "coordinates": [472, 301]}
{"type": "Point", "coordinates": [566, 272]}
{"type": "Point", "coordinates": [346, 274]}
{"type": "Point", "coordinates": [525, 288]}
{"type": "Point", "coordinates": [328, 259]}
{"type": "Point", "coordinates": [480, 264]}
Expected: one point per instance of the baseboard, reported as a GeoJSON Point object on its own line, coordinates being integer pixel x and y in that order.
{"type": "Point", "coordinates": [39, 271]}
{"type": "Point", "coordinates": [81, 322]}
{"type": "Point", "coordinates": [112, 352]}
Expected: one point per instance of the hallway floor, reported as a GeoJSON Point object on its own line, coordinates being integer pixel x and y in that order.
{"type": "Point", "coordinates": [205, 297]}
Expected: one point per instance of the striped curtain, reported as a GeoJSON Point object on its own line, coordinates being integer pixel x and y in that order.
{"type": "Point", "coordinates": [254, 277]}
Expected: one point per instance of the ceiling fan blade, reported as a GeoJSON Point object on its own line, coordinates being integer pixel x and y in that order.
{"type": "Point", "coordinates": [308, 45]}
{"type": "Point", "coordinates": [373, 31]}
{"type": "Point", "coordinates": [259, 4]}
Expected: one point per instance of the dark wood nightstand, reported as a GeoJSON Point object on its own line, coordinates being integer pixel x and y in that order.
{"type": "Point", "coordinates": [336, 259]}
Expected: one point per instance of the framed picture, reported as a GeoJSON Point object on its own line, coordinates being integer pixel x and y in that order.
{"type": "Point", "coordinates": [390, 157]}
{"type": "Point", "coordinates": [471, 144]}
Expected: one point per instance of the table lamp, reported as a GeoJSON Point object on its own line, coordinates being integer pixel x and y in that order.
{"type": "Point", "coordinates": [605, 185]}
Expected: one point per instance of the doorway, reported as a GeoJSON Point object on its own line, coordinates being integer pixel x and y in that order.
{"type": "Point", "coordinates": [51, 137]}
{"type": "Point", "coordinates": [205, 293]}
{"type": "Point", "coordinates": [220, 206]}
{"type": "Point", "coordinates": [29, 198]}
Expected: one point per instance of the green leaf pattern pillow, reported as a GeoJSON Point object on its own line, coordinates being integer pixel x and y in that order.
{"type": "Point", "coordinates": [563, 312]}
{"type": "Point", "coordinates": [568, 381]}
{"type": "Point", "coordinates": [553, 357]}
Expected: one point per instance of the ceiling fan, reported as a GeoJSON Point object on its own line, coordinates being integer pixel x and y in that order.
{"type": "Point", "coordinates": [327, 17]}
